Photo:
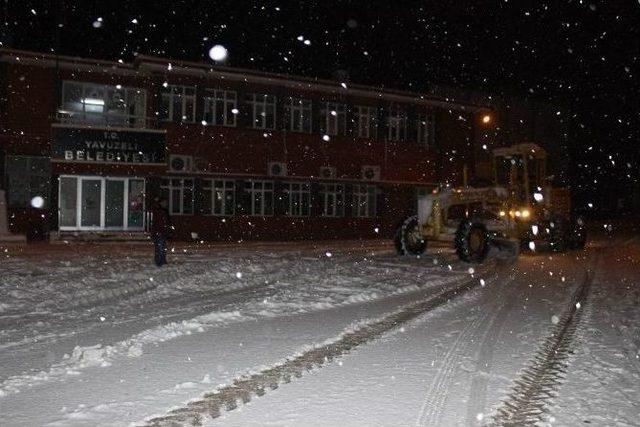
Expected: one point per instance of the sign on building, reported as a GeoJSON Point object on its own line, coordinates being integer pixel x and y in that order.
{"type": "Point", "coordinates": [108, 146]}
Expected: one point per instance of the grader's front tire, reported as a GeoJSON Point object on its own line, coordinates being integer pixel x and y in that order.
{"type": "Point", "coordinates": [408, 239]}
{"type": "Point", "coordinates": [472, 241]}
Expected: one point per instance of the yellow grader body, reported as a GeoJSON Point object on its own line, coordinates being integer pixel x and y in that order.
{"type": "Point", "coordinates": [522, 208]}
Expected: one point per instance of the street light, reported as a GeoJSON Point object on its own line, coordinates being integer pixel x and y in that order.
{"type": "Point", "coordinates": [486, 119]}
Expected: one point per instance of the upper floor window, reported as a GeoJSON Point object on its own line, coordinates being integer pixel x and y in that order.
{"type": "Point", "coordinates": [178, 104]}
{"type": "Point", "coordinates": [103, 105]}
{"type": "Point", "coordinates": [335, 122]}
{"type": "Point", "coordinates": [397, 124]}
{"type": "Point", "coordinates": [298, 114]}
{"type": "Point", "coordinates": [220, 108]}
{"type": "Point", "coordinates": [179, 193]}
{"type": "Point", "coordinates": [332, 199]}
{"type": "Point", "coordinates": [297, 197]}
{"type": "Point", "coordinates": [364, 200]}
{"type": "Point", "coordinates": [426, 129]}
{"type": "Point", "coordinates": [366, 118]}
{"type": "Point", "coordinates": [261, 194]}
{"type": "Point", "coordinates": [264, 110]}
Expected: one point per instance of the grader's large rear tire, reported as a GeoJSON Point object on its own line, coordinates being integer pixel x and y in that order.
{"type": "Point", "coordinates": [472, 241]}
{"type": "Point", "coordinates": [408, 239]}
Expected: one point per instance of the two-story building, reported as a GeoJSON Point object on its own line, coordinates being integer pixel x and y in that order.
{"type": "Point", "coordinates": [86, 145]}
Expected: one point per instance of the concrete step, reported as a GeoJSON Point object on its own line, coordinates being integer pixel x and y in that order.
{"type": "Point", "coordinates": [98, 236]}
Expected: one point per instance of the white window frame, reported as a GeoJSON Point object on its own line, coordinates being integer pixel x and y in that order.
{"type": "Point", "coordinates": [332, 199]}
{"type": "Point", "coordinates": [103, 190]}
{"type": "Point", "coordinates": [255, 187]}
{"type": "Point", "coordinates": [426, 128]}
{"type": "Point", "coordinates": [397, 124]}
{"type": "Point", "coordinates": [296, 192]}
{"type": "Point", "coordinates": [170, 186]}
{"type": "Point", "coordinates": [335, 118]}
{"type": "Point", "coordinates": [173, 91]}
{"type": "Point", "coordinates": [301, 109]}
{"type": "Point", "coordinates": [364, 201]}
{"type": "Point", "coordinates": [88, 91]}
{"type": "Point", "coordinates": [260, 104]}
{"type": "Point", "coordinates": [228, 101]}
{"type": "Point", "coordinates": [366, 118]}
{"type": "Point", "coordinates": [222, 187]}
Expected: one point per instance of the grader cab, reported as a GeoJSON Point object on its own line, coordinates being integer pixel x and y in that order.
{"type": "Point", "coordinates": [521, 210]}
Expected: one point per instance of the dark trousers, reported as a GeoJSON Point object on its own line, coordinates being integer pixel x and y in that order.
{"type": "Point", "coordinates": [160, 246]}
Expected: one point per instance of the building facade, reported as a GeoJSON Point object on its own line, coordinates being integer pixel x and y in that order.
{"type": "Point", "coordinates": [86, 145]}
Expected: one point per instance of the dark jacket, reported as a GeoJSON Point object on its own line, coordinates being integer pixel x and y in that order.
{"type": "Point", "coordinates": [160, 223]}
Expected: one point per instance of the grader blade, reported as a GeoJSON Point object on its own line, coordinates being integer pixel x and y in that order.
{"type": "Point", "coordinates": [505, 249]}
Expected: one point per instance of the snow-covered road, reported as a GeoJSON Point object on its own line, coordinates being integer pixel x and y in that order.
{"type": "Point", "coordinates": [105, 339]}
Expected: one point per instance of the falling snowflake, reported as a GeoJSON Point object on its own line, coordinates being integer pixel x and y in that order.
{"type": "Point", "coordinates": [37, 202]}
{"type": "Point", "coordinates": [218, 53]}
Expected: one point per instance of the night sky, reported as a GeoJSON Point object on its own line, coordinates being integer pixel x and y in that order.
{"type": "Point", "coordinates": [583, 56]}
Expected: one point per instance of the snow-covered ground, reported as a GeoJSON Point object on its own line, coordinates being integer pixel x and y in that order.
{"type": "Point", "coordinates": [99, 336]}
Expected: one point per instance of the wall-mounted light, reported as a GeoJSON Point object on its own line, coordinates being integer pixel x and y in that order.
{"type": "Point", "coordinates": [486, 119]}
{"type": "Point", "coordinates": [93, 101]}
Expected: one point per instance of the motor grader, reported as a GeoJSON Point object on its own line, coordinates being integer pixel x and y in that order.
{"type": "Point", "coordinates": [521, 210]}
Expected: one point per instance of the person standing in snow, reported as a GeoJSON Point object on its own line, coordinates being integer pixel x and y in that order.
{"type": "Point", "coordinates": [160, 230]}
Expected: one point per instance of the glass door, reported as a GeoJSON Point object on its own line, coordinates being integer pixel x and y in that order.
{"type": "Point", "coordinates": [135, 207]}
{"type": "Point", "coordinates": [68, 202]}
{"type": "Point", "coordinates": [91, 203]}
{"type": "Point", "coordinates": [114, 203]}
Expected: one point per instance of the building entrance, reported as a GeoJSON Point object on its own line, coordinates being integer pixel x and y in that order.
{"type": "Point", "coordinates": [101, 203]}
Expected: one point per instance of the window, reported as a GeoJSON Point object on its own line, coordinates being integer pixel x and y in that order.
{"type": "Point", "coordinates": [103, 105]}
{"type": "Point", "coordinates": [220, 108]}
{"type": "Point", "coordinates": [332, 199]}
{"type": "Point", "coordinates": [27, 177]}
{"type": "Point", "coordinates": [178, 104]}
{"type": "Point", "coordinates": [364, 201]}
{"type": "Point", "coordinates": [261, 193]}
{"type": "Point", "coordinates": [367, 121]}
{"type": "Point", "coordinates": [218, 197]}
{"type": "Point", "coordinates": [298, 114]}
{"type": "Point", "coordinates": [264, 110]}
{"type": "Point", "coordinates": [335, 119]}
{"type": "Point", "coordinates": [179, 193]}
{"type": "Point", "coordinates": [297, 198]}
{"type": "Point", "coordinates": [397, 124]}
{"type": "Point", "coordinates": [426, 129]}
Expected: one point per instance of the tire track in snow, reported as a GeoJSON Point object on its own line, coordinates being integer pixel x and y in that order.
{"type": "Point", "coordinates": [431, 409]}
{"type": "Point", "coordinates": [480, 328]}
{"type": "Point", "coordinates": [245, 388]}
{"type": "Point", "coordinates": [484, 358]}
{"type": "Point", "coordinates": [537, 384]}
